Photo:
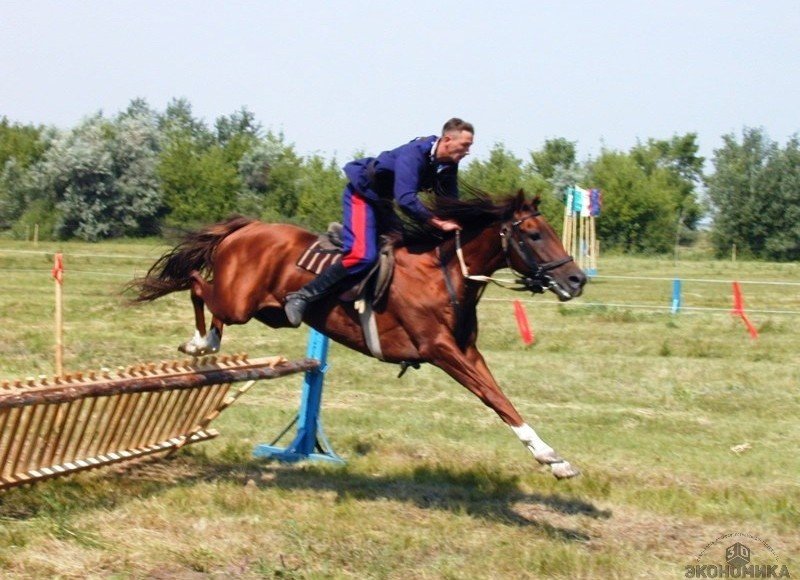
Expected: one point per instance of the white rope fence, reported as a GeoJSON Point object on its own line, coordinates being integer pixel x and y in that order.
{"type": "Point", "coordinates": [81, 254]}
{"type": "Point", "coordinates": [573, 304]}
{"type": "Point", "coordinates": [653, 307]}
{"type": "Point", "coordinates": [702, 280]}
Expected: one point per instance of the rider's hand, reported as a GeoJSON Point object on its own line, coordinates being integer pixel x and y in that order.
{"type": "Point", "coordinates": [445, 225]}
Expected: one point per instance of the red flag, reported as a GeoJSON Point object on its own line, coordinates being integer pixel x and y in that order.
{"type": "Point", "coordinates": [738, 310]}
{"type": "Point", "coordinates": [738, 301]}
{"type": "Point", "coordinates": [522, 323]}
{"type": "Point", "coordinates": [58, 269]}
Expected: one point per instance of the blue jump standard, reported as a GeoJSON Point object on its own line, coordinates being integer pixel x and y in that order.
{"type": "Point", "coordinates": [310, 442]}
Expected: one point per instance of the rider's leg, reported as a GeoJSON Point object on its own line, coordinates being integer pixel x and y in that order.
{"type": "Point", "coordinates": [360, 252]}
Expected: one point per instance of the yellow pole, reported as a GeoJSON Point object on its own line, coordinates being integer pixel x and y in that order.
{"type": "Point", "coordinates": [568, 243]}
{"type": "Point", "coordinates": [574, 242]}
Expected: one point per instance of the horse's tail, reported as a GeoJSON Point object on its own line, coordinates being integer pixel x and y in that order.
{"type": "Point", "coordinates": [173, 271]}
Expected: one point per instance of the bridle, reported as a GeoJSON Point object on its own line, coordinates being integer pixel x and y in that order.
{"type": "Point", "coordinates": [511, 234]}
{"type": "Point", "coordinates": [513, 238]}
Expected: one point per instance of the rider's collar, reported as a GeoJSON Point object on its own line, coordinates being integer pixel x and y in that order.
{"type": "Point", "coordinates": [433, 150]}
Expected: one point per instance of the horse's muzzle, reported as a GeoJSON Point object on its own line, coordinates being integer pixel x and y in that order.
{"type": "Point", "coordinates": [570, 287]}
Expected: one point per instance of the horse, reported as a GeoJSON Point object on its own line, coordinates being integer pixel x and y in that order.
{"type": "Point", "coordinates": [242, 269]}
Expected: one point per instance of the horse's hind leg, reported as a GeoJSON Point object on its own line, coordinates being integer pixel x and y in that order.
{"type": "Point", "coordinates": [202, 343]}
{"type": "Point", "coordinates": [469, 369]}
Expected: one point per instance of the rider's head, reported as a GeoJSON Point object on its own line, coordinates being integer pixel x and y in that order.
{"type": "Point", "coordinates": [455, 141]}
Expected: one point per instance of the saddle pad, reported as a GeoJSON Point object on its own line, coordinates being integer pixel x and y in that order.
{"type": "Point", "coordinates": [316, 258]}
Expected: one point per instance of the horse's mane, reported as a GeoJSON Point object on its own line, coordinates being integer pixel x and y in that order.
{"type": "Point", "coordinates": [475, 209]}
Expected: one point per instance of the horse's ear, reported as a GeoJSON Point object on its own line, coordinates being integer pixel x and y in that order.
{"type": "Point", "coordinates": [520, 197]}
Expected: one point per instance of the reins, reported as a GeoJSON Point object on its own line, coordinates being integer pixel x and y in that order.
{"type": "Point", "coordinates": [511, 234]}
{"type": "Point", "coordinates": [480, 277]}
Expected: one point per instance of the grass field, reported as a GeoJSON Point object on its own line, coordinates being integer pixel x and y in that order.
{"type": "Point", "coordinates": [686, 430]}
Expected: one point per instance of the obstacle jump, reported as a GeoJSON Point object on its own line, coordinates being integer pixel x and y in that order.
{"type": "Point", "coordinates": [52, 427]}
{"type": "Point", "coordinates": [579, 234]}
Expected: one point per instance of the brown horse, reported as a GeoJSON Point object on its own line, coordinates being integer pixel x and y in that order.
{"type": "Point", "coordinates": [242, 269]}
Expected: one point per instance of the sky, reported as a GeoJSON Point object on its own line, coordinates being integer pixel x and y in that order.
{"type": "Point", "coordinates": [337, 77]}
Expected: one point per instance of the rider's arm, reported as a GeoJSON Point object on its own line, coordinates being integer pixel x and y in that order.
{"type": "Point", "coordinates": [407, 170]}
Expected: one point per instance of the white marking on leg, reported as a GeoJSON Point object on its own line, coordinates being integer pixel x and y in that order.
{"type": "Point", "coordinates": [543, 453]}
{"type": "Point", "coordinates": [200, 345]}
{"type": "Point", "coordinates": [531, 440]}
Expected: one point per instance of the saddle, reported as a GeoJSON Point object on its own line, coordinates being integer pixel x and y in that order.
{"type": "Point", "coordinates": [367, 293]}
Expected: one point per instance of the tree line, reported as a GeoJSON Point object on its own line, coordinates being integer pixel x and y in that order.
{"type": "Point", "coordinates": [141, 171]}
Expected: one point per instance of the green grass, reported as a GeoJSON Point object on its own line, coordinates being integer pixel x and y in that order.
{"type": "Point", "coordinates": [648, 404]}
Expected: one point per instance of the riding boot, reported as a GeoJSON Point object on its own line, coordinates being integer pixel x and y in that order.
{"type": "Point", "coordinates": [318, 288]}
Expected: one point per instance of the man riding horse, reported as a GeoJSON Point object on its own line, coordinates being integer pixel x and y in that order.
{"type": "Point", "coordinates": [426, 163]}
{"type": "Point", "coordinates": [242, 269]}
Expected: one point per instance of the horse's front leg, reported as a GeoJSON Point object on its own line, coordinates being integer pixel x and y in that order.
{"type": "Point", "coordinates": [470, 370]}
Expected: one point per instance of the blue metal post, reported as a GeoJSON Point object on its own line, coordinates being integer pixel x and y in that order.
{"type": "Point", "coordinates": [310, 441]}
{"type": "Point", "coordinates": [676, 296]}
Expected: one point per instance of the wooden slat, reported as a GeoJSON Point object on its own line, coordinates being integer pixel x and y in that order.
{"type": "Point", "coordinates": [58, 426]}
{"type": "Point", "coordinates": [32, 476]}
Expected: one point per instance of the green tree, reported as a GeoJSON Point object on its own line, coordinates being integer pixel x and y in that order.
{"type": "Point", "coordinates": [15, 192]}
{"type": "Point", "coordinates": [679, 158]}
{"type": "Point", "coordinates": [555, 166]}
{"type": "Point", "coordinates": [20, 147]}
{"type": "Point", "coordinates": [755, 192]}
{"type": "Point", "coordinates": [319, 199]}
{"type": "Point", "coordinates": [781, 207]}
{"type": "Point", "coordinates": [271, 172]}
{"type": "Point", "coordinates": [24, 143]}
{"type": "Point", "coordinates": [178, 122]}
{"type": "Point", "coordinates": [734, 189]}
{"type": "Point", "coordinates": [639, 210]}
{"type": "Point", "coordinates": [501, 174]}
{"type": "Point", "coordinates": [240, 125]}
{"type": "Point", "coordinates": [198, 169]}
{"type": "Point", "coordinates": [199, 185]}
{"type": "Point", "coordinates": [100, 176]}
{"type": "Point", "coordinates": [558, 153]}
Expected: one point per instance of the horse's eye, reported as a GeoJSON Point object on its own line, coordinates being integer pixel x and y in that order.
{"type": "Point", "coordinates": [535, 236]}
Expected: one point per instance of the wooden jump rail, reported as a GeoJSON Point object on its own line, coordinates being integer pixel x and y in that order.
{"type": "Point", "coordinates": [51, 427]}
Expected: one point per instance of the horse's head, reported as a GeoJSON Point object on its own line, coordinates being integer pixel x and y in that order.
{"type": "Point", "coordinates": [534, 250]}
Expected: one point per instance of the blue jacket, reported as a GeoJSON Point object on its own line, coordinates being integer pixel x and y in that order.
{"type": "Point", "coordinates": [402, 173]}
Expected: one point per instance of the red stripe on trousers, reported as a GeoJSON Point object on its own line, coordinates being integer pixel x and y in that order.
{"type": "Point", "coordinates": [358, 223]}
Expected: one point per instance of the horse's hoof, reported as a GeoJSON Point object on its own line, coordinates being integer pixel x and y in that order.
{"type": "Point", "coordinates": [548, 457]}
{"type": "Point", "coordinates": [188, 348]}
{"type": "Point", "coordinates": [563, 470]}
{"type": "Point", "coordinates": [193, 350]}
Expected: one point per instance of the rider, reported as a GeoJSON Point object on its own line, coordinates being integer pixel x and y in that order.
{"type": "Point", "coordinates": [424, 163]}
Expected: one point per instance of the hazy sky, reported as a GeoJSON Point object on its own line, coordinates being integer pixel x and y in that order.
{"type": "Point", "coordinates": [338, 76]}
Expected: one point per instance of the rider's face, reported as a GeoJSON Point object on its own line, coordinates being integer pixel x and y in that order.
{"type": "Point", "coordinates": [454, 146]}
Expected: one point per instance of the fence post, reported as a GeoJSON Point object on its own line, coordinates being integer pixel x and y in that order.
{"type": "Point", "coordinates": [58, 276]}
{"type": "Point", "coordinates": [676, 296]}
{"type": "Point", "coordinates": [310, 441]}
